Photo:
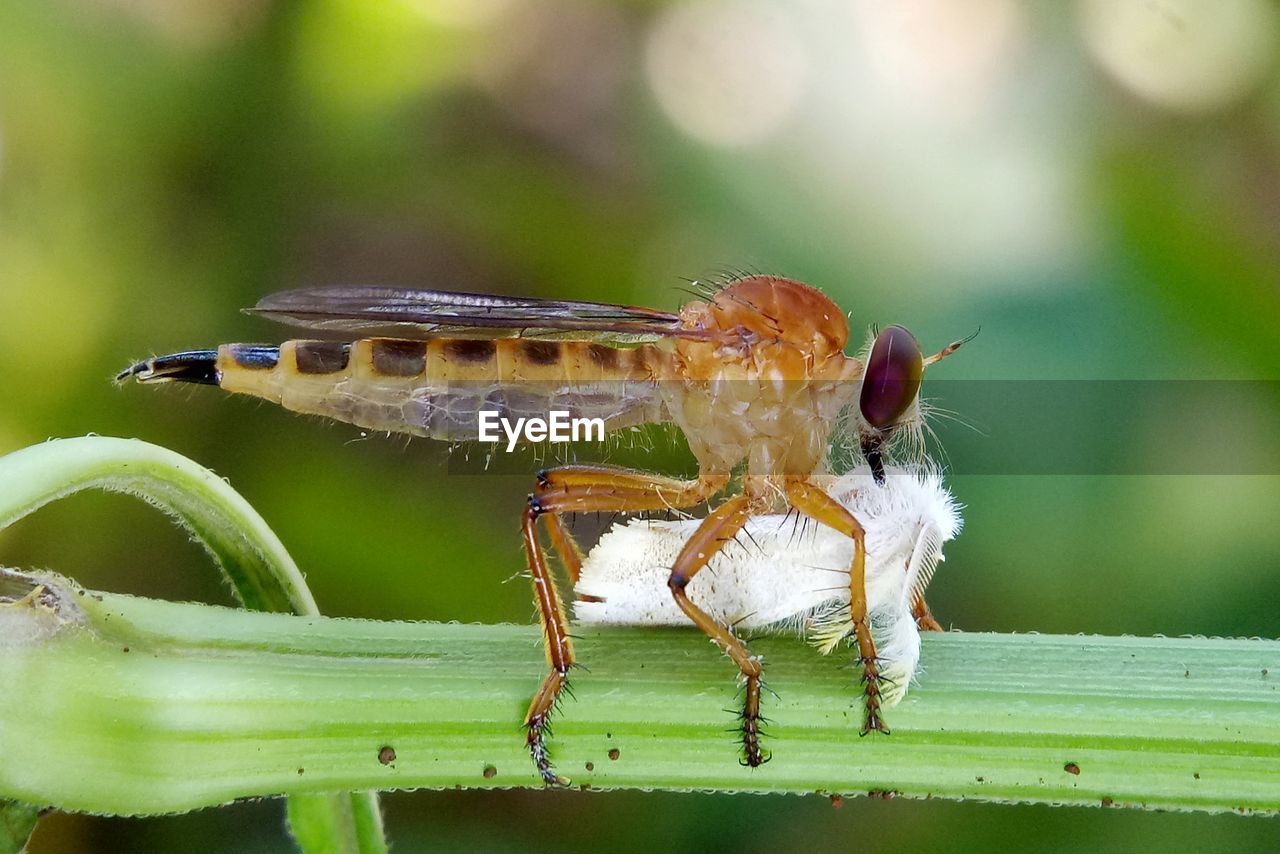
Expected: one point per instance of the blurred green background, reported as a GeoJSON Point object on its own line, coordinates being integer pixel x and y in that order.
{"type": "Point", "coordinates": [1095, 184]}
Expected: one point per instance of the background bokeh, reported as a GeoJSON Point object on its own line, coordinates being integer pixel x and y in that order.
{"type": "Point", "coordinates": [1096, 184]}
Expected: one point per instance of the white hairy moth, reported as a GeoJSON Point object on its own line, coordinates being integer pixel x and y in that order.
{"type": "Point", "coordinates": [786, 574]}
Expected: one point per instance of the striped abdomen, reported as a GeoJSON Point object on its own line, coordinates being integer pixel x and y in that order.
{"type": "Point", "coordinates": [437, 388]}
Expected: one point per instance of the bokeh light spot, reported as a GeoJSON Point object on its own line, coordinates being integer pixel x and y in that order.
{"type": "Point", "coordinates": [1185, 55]}
{"type": "Point", "coordinates": [938, 53]}
{"type": "Point", "coordinates": [727, 73]}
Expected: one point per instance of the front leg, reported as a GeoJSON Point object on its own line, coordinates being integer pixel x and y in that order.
{"type": "Point", "coordinates": [814, 502]}
{"type": "Point", "coordinates": [573, 489]}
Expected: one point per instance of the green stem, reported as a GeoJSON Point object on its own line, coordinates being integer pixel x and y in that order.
{"type": "Point", "coordinates": [255, 562]}
{"type": "Point", "coordinates": [337, 822]}
{"type": "Point", "coordinates": [260, 570]}
{"type": "Point", "coordinates": [17, 821]}
{"type": "Point", "coordinates": [134, 706]}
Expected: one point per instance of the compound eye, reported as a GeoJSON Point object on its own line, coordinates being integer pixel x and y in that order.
{"type": "Point", "coordinates": [892, 378]}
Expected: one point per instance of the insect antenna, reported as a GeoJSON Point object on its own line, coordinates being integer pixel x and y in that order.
{"type": "Point", "coordinates": [950, 348]}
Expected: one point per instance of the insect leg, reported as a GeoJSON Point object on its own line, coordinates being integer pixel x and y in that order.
{"type": "Point", "coordinates": [716, 530]}
{"type": "Point", "coordinates": [818, 505]}
{"type": "Point", "coordinates": [556, 643]}
{"type": "Point", "coordinates": [597, 479]}
{"type": "Point", "coordinates": [582, 489]}
{"type": "Point", "coordinates": [925, 621]}
{"type": "Point", "coordinates": [566, 546]}
{"type": "Point", "coordinates": [603, 477]}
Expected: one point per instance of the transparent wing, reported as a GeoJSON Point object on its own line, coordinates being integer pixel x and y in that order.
{"type": "Point", "coordinates": [419, 314]}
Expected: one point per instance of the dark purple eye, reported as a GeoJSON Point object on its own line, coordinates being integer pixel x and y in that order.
{"type": "Point", "coordinates": [892, 377]}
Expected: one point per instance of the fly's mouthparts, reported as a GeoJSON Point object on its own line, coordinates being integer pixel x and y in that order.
{"type": "Point", "coordinates": [192, 366]}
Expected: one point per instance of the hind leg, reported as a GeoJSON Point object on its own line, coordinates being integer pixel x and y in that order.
{"type": "Point", "coordinates": [585, 489]}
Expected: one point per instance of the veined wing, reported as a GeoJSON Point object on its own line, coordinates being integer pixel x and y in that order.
{"type": "Point", "coordinates": [374, 311]}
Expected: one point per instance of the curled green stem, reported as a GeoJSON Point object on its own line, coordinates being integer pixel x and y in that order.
{"type": "Point", "coordinates": [260, 570]}
{"type": "Point", "coordinates": [262, 575]}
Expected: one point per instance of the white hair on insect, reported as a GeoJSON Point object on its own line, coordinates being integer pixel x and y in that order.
{"type": "Point", "coordinates": [785, 573]}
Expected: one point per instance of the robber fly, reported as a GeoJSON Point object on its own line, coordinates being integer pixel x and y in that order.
{"type": "Point", "coordinates": [754, 375]}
